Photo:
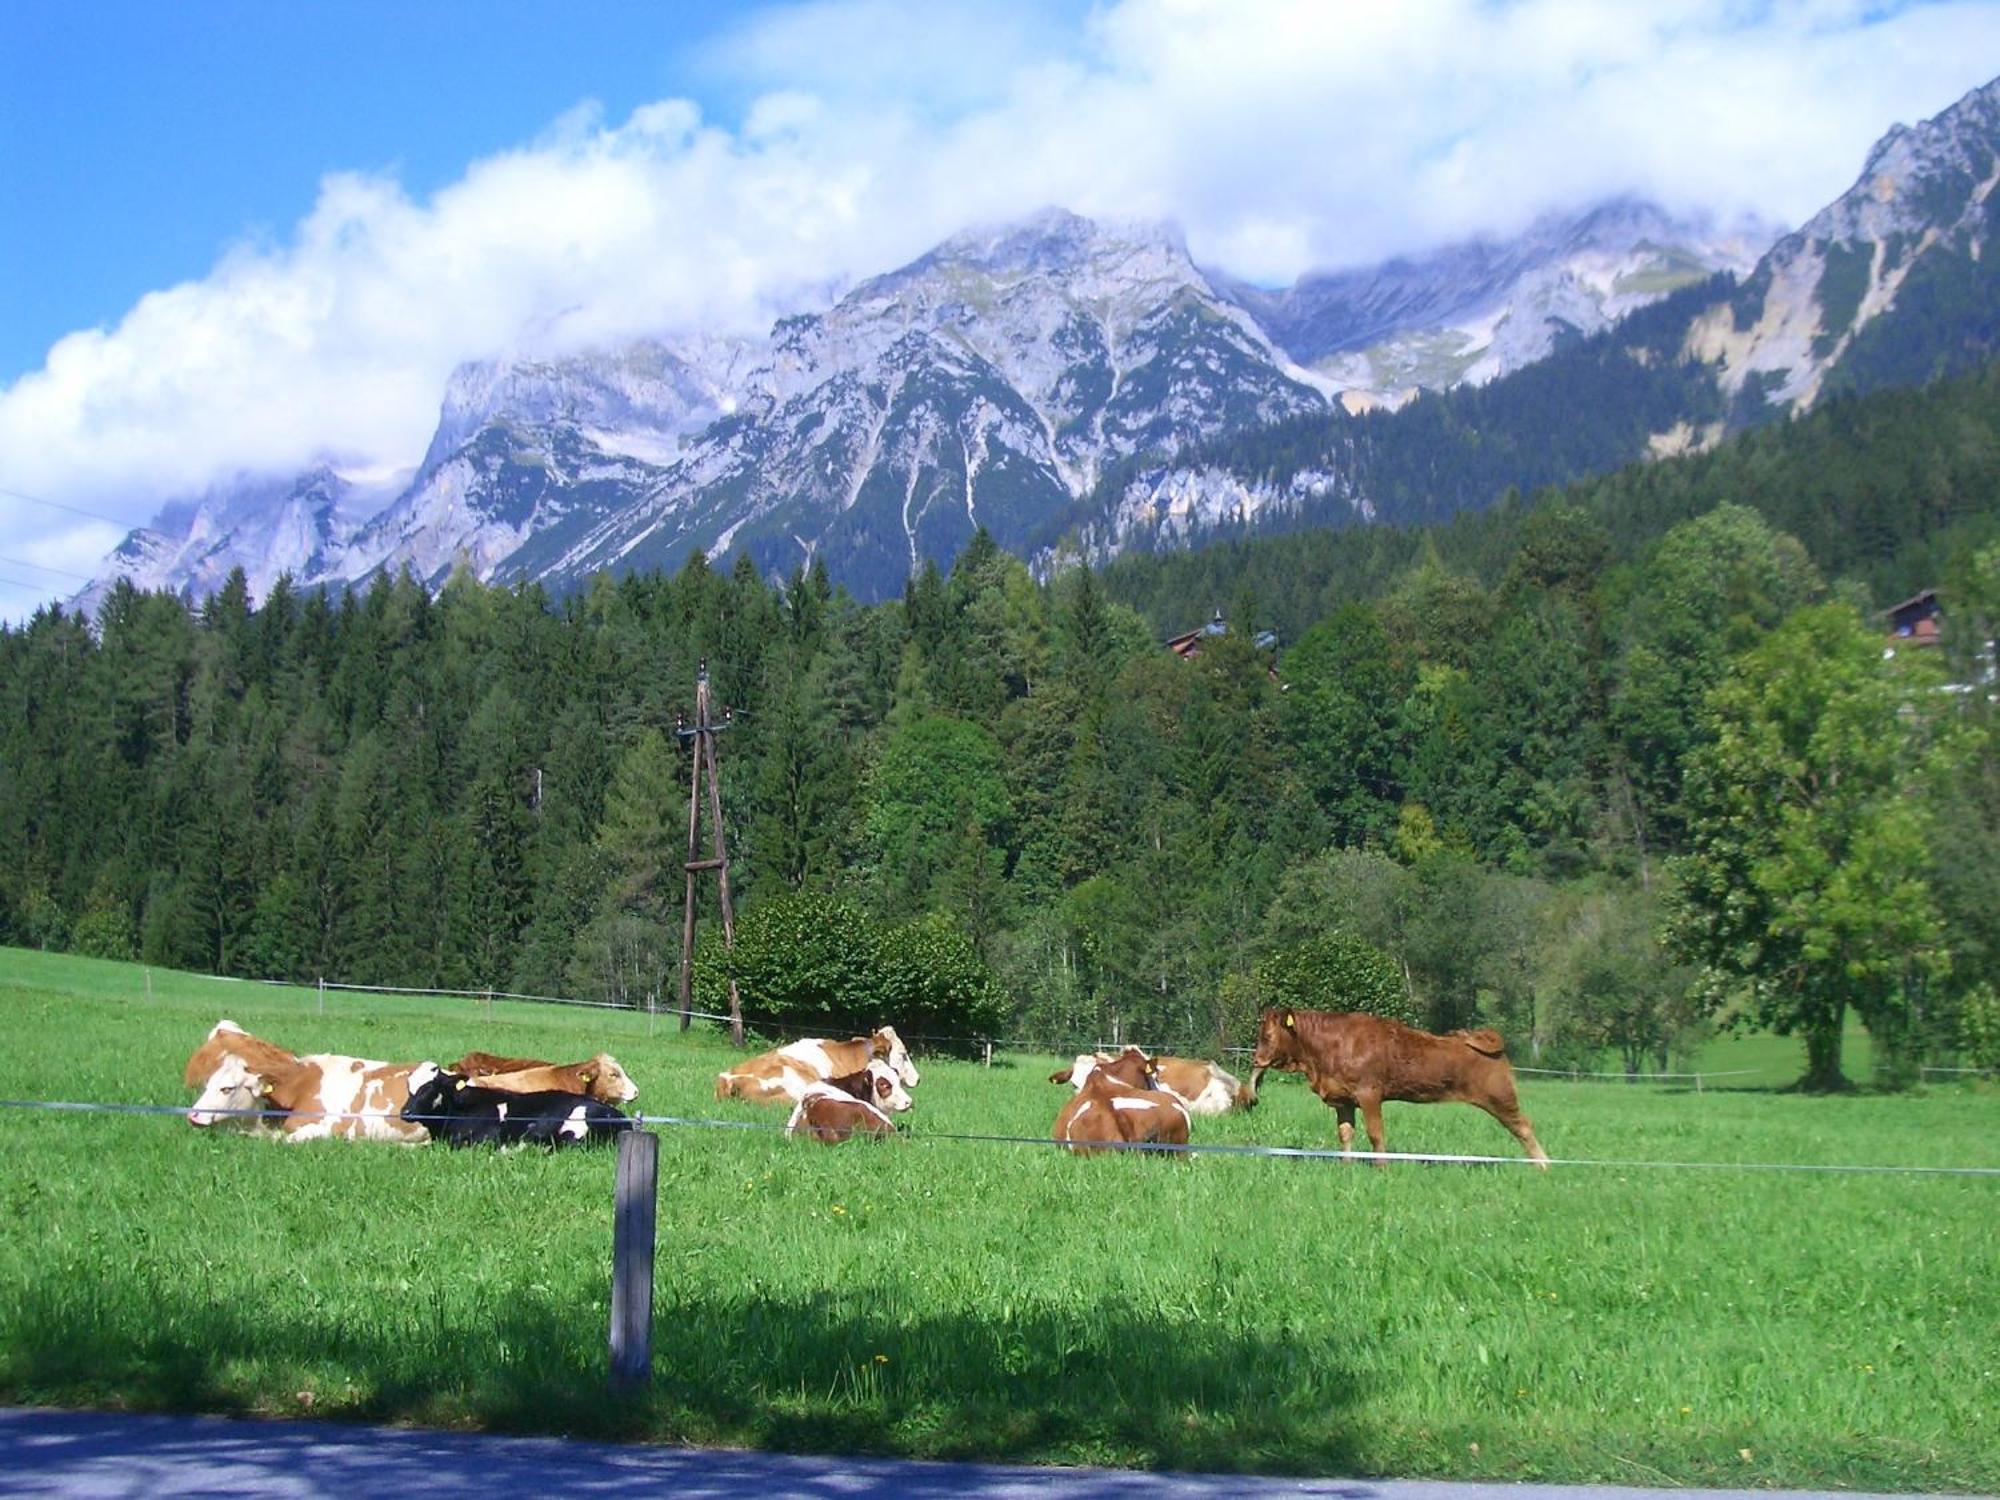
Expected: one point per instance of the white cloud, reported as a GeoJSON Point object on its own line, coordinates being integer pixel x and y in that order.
{"type": "Point", "coordinates": [1282, 134]}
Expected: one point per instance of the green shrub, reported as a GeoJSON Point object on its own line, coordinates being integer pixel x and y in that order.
{"type": "Point", "coordinates": [933, 983]}
{"type": "Point", "coordinates": [1336, 972]}
{"type": "Point", "coordinates": [806, 959]}
{"type": "Point", "coordinates": [801, 958]}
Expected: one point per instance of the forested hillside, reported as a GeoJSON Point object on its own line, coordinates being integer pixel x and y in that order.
{"type": "Point", "coordinates": [1479, 773]}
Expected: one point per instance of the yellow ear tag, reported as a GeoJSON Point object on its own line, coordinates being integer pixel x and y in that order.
{"type": "Point", "coordinates": [586, 1077]}
{"type": "Point", "coordinates": [461, 1083]}
{"type": "Point", "coordinates": [1290, 1020]}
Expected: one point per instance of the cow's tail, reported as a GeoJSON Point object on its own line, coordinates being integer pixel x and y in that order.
{"type": "Point", "coordinates": [1485, 1040]}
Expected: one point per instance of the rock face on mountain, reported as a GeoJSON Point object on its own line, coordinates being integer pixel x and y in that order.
{"type": "Point", "coordinates": [1485, 308]}
{"type": "Point", "coordinates": [1061, 377]}
{"type": "Point", "coordinates": [986, 384]}
{"type": "Point", "coordinates": [298, 525]}
{"type": "Point", "coordinates": [1888, 284]}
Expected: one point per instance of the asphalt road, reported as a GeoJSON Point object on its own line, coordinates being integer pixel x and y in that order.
{"type": "Point", "coordinates": [112, 1456]}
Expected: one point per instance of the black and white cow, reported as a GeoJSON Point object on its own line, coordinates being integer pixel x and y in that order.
{"type": "Point", "coordinates": [461, 1113]}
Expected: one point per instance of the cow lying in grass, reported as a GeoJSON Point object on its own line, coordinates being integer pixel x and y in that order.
{"type": "Point", "coordinates": [1119, 1102]}
{"type": "Point", "coordinates": [599, 1076]}
{"type": "Point", "coordinates": [834, 1109]}
{"type": "Point", "coordinates": [1202, 1086]}
{"type": "Point", "coordinates": [317, 1096]}
{"type": "Point", "coordinates": [462, 1113]}
{"type": "Point", "coordinates": [1355, 1061]}
{"type": "Point", "coordinates": [787, 1072]}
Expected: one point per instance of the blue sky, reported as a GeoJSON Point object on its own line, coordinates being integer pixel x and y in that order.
{"type": "Point", "coordinates": [139, 139]}
{"type": "Point", "coordinates": [247, 235]}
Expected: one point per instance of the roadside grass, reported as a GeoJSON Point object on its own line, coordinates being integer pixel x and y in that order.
{"type": "Point", "coordinates": [950, 1298]}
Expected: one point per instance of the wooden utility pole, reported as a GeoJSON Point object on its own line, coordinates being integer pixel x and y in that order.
{"type": "Point", "coordinates": [703, 735]}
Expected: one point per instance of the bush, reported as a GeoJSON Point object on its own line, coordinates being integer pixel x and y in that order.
{"type": "Point", "coordinates": [1336, 972]}
{"type": "Point", "coordinates": [801, 958]}
{"type": "Point", "coordinates": [1979, 1027]}
{"type": "Point", "coordinates": [104, 932]}
{"type": "Point", "coordinates": [817, 961]}
{"type": "Point", "coordinates": [934, 983]}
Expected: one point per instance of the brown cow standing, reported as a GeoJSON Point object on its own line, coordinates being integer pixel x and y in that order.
{"type": "Point", "coordinates": [1354, 1060]}
{"type": "Point", "coordinates": [1121, 1102]}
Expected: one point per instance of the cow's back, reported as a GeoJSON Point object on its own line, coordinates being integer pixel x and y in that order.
{"type": "Point", "coordinates": [1204, 1087]}
{"type": "Point", "coordinates": [1105, 1111]}
{"type": "Point", "coordinates": [1352, 1055]}
{"type": "Point", "coordinates": [764, 1079]}
{"type": "Point", "coordinates": [829, 1059]}
{"type": "Point", "coordinates": [333, 1096]}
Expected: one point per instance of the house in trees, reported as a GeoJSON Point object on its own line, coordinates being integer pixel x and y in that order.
{"type": "Point", "coordinates": [1188, 646]}
{"type": "Point", "coordinates": [1914, 622]}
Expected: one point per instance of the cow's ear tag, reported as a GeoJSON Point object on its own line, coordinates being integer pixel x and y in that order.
{"type": "Point", "coordinates": [586, 1077]}
{"type": "Point", "coordinates": [1290, 1020]}
{"type": "Point", "coordinates": [461, 1083]}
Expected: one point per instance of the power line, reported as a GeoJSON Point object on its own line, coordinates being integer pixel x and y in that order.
{"type": "Point", "coordinates": [33, 588]}
{"type": "Point", "coordinates": [22, 562]}
{"type": "Point", "coordinates": [58, 505]}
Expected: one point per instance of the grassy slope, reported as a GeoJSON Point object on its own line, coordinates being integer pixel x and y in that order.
{"type": "Point", "coordinates": [953, 1298]}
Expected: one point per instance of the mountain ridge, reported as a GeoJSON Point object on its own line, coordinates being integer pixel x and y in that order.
{"type": "Point", "coordinates": [1078, 388]}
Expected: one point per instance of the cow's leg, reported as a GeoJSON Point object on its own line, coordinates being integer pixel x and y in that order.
{"type": "Point", "coordinates": [1371, 1120]}
{"type": "Point", "coordinates": [1508, 1112]}
{"type": "Point", "coordinates": [1346, 1113]}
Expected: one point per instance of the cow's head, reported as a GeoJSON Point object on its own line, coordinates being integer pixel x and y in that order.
{"type": "Point", "coordinates": [889, 1047]}
{"type": "Point", "coordinates": [431, 1088]}
{"type": "Point", "coordinates": [231, 1087]}
{"type": "Point", "coordinates": [1077, 1074]}
{"type": "Point", "coordinates": [885, 1090]}
{"type": "Point", "coordinates": [1277, 1039]}
{"type": "Point", "coordinates": [603, 1079]}
{"type": "Point", "coordinates": [1133, 1067]}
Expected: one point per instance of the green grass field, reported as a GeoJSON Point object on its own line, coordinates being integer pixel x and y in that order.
{"type": "Point", "coordinates": [966, 1299]}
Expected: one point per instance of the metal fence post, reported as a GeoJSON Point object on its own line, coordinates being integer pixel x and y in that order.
{"type": "Point", "coordinates": [632, 1234]}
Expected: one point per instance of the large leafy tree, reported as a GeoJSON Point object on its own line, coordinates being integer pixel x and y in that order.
{"type": "Point", "coordinates": [1806, 887]}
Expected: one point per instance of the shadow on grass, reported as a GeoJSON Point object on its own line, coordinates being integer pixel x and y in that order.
{"type": "Point", "coordinates": [1114, 1384]}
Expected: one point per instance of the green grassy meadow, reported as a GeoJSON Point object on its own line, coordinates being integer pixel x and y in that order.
{"type": "Point", "coordinates": [966, 1299]}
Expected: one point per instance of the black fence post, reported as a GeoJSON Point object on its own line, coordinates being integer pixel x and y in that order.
{"type": "Point", "coordinates": [632, 1238]}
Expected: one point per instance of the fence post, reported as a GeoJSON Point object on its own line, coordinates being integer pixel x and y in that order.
{"type": "Point", "coordinates": [322, 994]}
{"type": "Point", "coordinates": [989, 1052]}
{"type": "Point", "coordinates": [149, 983]}
{"type": "Point", "coordinates": [632, 1226]}
{"type": "Point", "coordinates": [1697, 1083]}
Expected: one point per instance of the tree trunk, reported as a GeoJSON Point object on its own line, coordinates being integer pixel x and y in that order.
{"type": "Point", "coordinates": [1823, 1075]}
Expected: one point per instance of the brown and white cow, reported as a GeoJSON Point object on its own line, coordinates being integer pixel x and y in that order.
{"type": "Point", "coordinates": [834, 1109]}
{"type": "Point", "coordinates": [321, 1095]}
{"type": "Point", "coordinates": [479, 1064]}
{"type": "Point", "coordinates": [1119, 1103]}
{"type": "Point", "coordinates": [1203, 1087]}
{"type": "Point", "coordinates": [1353, 1060]}
{"type": "Point", "coordinates": [232, 1095]}
{"type": "Point", "coordinates": [226, 1039]}
{"type": "Point", "coordinates": [598, 1077]}
{"type": "Point", "coordinates": [785, 1072]}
